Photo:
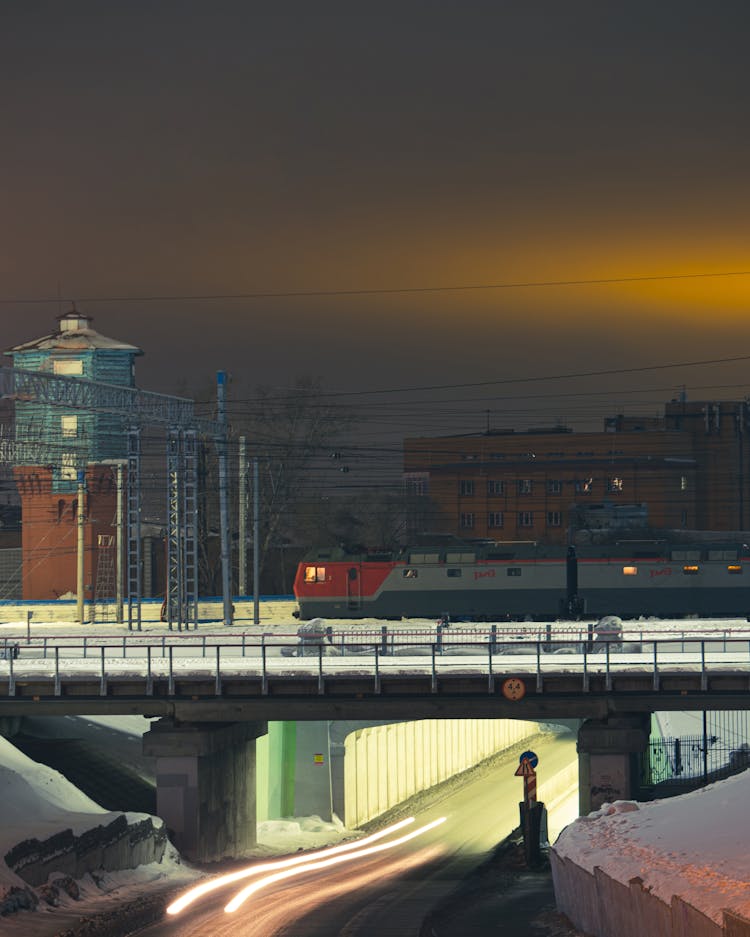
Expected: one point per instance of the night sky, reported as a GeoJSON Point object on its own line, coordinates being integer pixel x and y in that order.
{"type": "Point", "coordinates": [204, 149]}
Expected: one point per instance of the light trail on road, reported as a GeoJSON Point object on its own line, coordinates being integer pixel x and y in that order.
{"type": "Point", "coordinates": [239, 899]}
{"type": "Point", "coordinates": [283, 869]}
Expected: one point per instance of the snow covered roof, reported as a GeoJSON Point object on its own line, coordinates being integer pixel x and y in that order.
{"type": "Point", "coordinates": [74, 334]}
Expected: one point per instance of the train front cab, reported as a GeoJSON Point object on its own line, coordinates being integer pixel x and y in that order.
{"type": "Point", "coordinates": [339, 585]}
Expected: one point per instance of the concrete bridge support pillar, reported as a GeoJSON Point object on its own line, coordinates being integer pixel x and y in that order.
{"type": "Point", "coordinates": [610, 755]}
{"type": "Point", "coordinates": [205, 785]}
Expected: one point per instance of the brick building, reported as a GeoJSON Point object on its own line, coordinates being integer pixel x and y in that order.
{"type": "Point", "coordinates": [685, 470]}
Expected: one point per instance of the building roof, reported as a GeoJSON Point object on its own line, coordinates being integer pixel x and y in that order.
{"type": "Point", "coordinates": [74, 334]}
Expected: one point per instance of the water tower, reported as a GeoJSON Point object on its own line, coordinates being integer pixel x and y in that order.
{"type": "Point", "coordinates": [69, 437]}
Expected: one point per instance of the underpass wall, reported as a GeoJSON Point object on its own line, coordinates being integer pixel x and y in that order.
{"type": "Point", "coordinates": [387, 764]}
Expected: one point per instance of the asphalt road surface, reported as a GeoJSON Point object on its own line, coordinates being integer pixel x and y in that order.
{"type": "Point", "coordinates": [391, 891]}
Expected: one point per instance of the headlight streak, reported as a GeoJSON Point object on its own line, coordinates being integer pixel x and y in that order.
{"type": "Point", "coordinates": [206, 888]}
{"type": "Point", "coordinates": [241, 897]}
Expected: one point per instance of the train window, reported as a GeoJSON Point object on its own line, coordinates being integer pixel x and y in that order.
{"type": "Point", "coordinates": [691, 570]}
{"type": "Point", "coordinates": [722, 555]}
{"type": "Point", "coordinates": [686, 556]}
{"type": "Point", "coordinates": [424, 557]}
{"type": "Point", "coordinates": [460, 557]}
{"type": "Point", "coordinates": [315, 574]}
{"type": "Point", "coordinates": [514, 571]}
{"type": "Point", "coordinates": [630, 570]}
{"type": "Point", "coordinates": [453, 573]}
{"type": "Point", "coordinates": [411, 573]}
{"type": "Point", "coordinates": [734, 569]}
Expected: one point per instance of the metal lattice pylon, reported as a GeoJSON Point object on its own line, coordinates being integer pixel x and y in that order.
{"type": "Point", "coordinates": [182, 530]}
{"type": "Point", "coordinates": [134, 527]}
{"type": "Point", "coordinates": [104, 588]}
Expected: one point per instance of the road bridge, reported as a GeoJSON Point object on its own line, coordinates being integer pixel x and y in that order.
{"type": "Point", "coordinates": [215, 695]}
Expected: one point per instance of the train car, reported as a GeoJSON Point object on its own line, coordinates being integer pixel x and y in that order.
{"type": "Point", "coordinates": [495, 581]}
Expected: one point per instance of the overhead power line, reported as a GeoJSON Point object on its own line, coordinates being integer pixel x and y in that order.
{"type": "Point", "coordinates": [378, 291]}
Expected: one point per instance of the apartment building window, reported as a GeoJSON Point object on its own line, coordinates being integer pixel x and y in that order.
{"type": "Point", "coordinates": [614, 485]}
{"type": "Point", "coordinates": [466, 486]}
{"type": "Point", "coordinates": [495, 519]}
{"type": "Point", "coordinates": [495, 486]}
{"type": "Point", "coordinates": [524, 486]}
{"type": "Point", "coordinates": [525, 518]}
{"type": "Point", "coordinates": [554, 486]}
{"type": "Point", "coordinates": [683, 483]}
{"type": "Point", "coordinates": [554, 519]}
{"type": "Point", "coordinates": [467, 520]}
{"type": "Point", "coordinates": [583, 486]}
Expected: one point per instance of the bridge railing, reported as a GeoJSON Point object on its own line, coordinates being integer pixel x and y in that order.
{"type": "Point", "coordinates": [258, 656]}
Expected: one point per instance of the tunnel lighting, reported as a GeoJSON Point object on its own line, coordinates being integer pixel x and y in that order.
{"type": "Point", "coordinates": [206, 887]}
{"type": "Point", "coordinates": [241, 897]}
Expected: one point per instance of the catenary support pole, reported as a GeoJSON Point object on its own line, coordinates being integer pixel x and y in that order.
{"type": "Point", "coordinates": [256, 542]}
{"type": "Point", "coordinates": [242, 520]}
{"type": "Point", "coordinates": [80, 549]}
{"type": "Point", "coordinates": [221, 445]}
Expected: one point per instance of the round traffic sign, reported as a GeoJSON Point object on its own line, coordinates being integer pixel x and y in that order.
{"type": "Point", "coordinates": [514, 688]}
{"type": "Point", "coordinates": [531, 757]}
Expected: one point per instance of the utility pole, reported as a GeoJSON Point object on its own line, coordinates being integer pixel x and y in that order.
{"type": "Point", "coordinates": [80, 549]}
{"type": "Point", "coordinates": [221, 446]}
{"type": "Point", "coordinates": [256, 542]}
{"type": "Point", "coordinates": [242, 525]}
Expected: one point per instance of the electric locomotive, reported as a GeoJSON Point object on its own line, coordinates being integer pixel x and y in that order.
{"type": "Point", "coordinates": [497, 581]}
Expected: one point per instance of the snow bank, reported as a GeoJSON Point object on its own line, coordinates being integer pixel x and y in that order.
{"type": "Point", "coordinates": [689, 852]}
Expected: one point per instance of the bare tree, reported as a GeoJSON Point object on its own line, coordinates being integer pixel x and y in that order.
{"type": "Point", "coordinates": [293, 433]}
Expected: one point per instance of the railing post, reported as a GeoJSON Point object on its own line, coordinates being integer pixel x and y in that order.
{"type": "Point", "coordinates": [103, 675]}
{"type": "Point", "coordinates": [321, 684]}
{"type": "Point", "coordinates": [217, 688]}
{"type": "Point", "coordinates": [493, 639]}
{"type": "Point", "coordinates": [585, 668]}
{"type": "Point", "coordinates": [656, 668]}
{"type": "Point", "coordinates": [384, 639]}
{"type": "Point", "coordinates": [170, 687]}
{"type": "Point", "coordinates": [433, 683]}
{"type": "Point", "coordinates": [149, 675]}
{"type": "Point", "coordinates": [85, 646]}
{"type": "Point", "coordinates": [490, 675]}
{"type": "Point", "coordinates": [539, 678]}
{"type": "Point", "coordinates": [11, 679]}
{"type": "Point", "coordinates": [439, 638]}
{"type": "Point", "coordinates": [704, 675]}
{"type": "Point", "coordinates": [377, 669]}
{"type": "Point", "coordinates": [608, 677]}
{"type": "Point", "coordinates": [58, 687]}
{"type": "Point", "coordinates": [264, 674]}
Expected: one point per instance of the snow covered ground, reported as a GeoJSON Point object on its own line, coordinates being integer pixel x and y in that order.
{"type": "Point", "coordinates": [694, 845]}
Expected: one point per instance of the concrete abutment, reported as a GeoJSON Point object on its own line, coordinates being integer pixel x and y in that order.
{"type": "Point", "coordinates": [610, 759]}
{"type": "Point", "coordinates": [205, 785]}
